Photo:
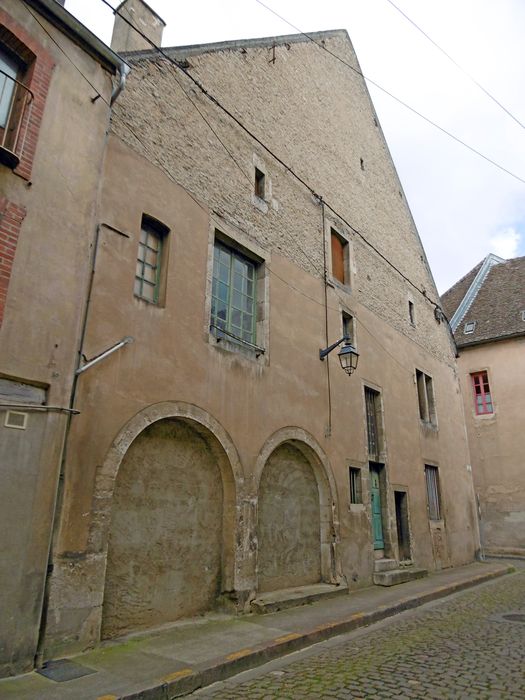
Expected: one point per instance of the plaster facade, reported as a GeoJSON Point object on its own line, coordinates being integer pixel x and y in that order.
{"type": "Point", "coordinates": [497, 442]}
{"type": "Point", "coordinates": [200, 470]}
{"type": "Point", "coordinates": [47, 226]}
{"type": "Point", "coordinates": [289, 426]}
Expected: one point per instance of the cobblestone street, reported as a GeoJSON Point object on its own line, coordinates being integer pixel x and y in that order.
{"type": "Point", "coordinates": [458, 648]}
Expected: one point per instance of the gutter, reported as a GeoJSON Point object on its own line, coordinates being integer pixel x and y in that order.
{"type": "Point", "coordinates": [70, 25]}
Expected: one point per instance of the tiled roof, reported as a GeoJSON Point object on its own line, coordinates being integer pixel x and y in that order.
{"type": "Point", "coordinates": [497, 307]}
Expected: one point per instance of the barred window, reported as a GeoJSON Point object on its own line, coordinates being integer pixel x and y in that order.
{"type": "Point", "coordinates": [354, 475]}
{"type": "Point", "coordinates": [432, 481]}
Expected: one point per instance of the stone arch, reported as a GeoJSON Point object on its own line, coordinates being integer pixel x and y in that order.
{"type": "Point", "coordinates": [309, 451]}
{"type": "Point", "coordinates": [223, 453]}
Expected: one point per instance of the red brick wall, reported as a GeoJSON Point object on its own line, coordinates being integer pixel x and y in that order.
{"type": "Point", "coordinates": [37, 79]}
{"type": "Point", "coordinates": [11, 217]}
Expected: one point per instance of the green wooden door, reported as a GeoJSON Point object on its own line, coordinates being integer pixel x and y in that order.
{"type": "Point", "coordinates": [377, 524]}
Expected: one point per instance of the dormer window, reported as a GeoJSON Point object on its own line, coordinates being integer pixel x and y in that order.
{"type": "Point", "coordinates": [470, 327]}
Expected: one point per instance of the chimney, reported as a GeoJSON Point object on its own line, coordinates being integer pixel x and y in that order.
{"type": "Point", "coordinates": [141, 16]}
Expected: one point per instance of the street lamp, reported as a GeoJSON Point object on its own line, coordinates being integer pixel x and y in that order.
{"type": "Point", "coordinates": [348, 355]}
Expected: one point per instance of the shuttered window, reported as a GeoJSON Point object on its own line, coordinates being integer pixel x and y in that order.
{"type": "Point", "coordinates": [339, 249]}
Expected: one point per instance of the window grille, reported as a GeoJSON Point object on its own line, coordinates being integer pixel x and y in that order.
{"type": "Point", "coordinates": [372, 408]}
{"type": "Point", "coordinates": [432, 481]}
{"type": "Point", "coordinates": [354, 475]}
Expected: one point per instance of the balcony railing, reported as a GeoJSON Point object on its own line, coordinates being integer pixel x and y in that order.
{"type": "Point", "coordinates": [16, 101]}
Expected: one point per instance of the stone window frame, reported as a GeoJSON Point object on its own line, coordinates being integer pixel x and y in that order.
{"type": "Point", "coordinates": [336, 227]}
{"type": "Point", "coordinates": [348, 315]}
{"type": "Point", "coordinates": [381, 455]}
{"type": "Point", "coordinates": [241, 242]}
{"type": "Point", "coordinates": [151, 226]}
{"type": "Point", "coordinates": [434, 493]}
{"type": "Point", "coordinates": [261, 203]}
{"type": "Point", "coordinates": [426, 399]}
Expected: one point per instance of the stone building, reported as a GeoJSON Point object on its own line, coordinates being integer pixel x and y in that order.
{"type": "Point", "coordinates": [487, 312]}
{"type": "Point", "coordinates": [247, 215]}
{"type": "Point", "coordinates": [55, 91]}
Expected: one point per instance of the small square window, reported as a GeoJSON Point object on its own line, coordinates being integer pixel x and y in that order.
{"type": "Point", "coordinates": [340, 257]}
{"type": "Point", "coordinates": [149, 260]}
{"type": "Point", "coordinates": [482, 396]}
{"type": "Point", "coordinates": [425, 395]}
{"type": "Point", "coordinates": [469, 327]}
{"type": "Point", "coordinates": [354, 475]}
{"type": "Point", "coordinates": [523, 315]}
{"type": "Point", "coordinates": [260, 183]}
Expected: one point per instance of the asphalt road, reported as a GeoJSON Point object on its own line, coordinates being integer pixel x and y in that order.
{"type": "Point", "coordinates": [459, 647]}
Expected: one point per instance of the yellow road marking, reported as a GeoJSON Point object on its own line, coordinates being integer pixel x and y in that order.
{"type": "Point", "coordinates": [239, 654]}
{"type": "Point", "coordinates": [287, 637]}
{"type": "Point", "coordinates": [178, 674]}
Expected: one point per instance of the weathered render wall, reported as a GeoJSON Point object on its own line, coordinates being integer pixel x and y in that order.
{"type": "Point", "coordinates": [497, 442]}
{"type": "Point", "coordinates": [163, 161]}
{"type": "Point", "coordinates": [48, 256]}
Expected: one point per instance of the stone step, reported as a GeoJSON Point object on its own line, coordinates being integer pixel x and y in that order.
{"type": "Point", "coordinates": [294, 597]}
{"type": "Point", "coordinates": [395, 576]}
{"type": "Point", "coordinates": [385, 565]}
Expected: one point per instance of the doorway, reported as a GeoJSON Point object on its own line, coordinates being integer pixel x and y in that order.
{"type": "Point", "coordinates": [403, 530]}
{"type": "Point", "coordinates": [376, 509]}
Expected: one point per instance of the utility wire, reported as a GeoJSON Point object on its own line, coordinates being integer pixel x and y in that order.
{"type": "Point", "coordinates": [452, 60]}
{"type": "Point", "coordinates": [317, 197]}
{"type": "Point", "coordinates": [22, 2]}
{"type": "Point", "coordinates": [397, 99]}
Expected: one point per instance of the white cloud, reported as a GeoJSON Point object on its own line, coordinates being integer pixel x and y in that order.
{"type": "Point", "coordinates": [505, 243]}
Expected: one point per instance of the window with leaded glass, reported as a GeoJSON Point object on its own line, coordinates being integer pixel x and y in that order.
{"type": "Point", "coordinates": [149, 259]}
{"type": "Point", "coordinates": [233, 295]}
{"type": "Point", "coordinates": [482, 395]}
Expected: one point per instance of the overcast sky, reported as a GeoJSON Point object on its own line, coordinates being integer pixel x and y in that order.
{"type": "Point", "coordinates": [463, 206]}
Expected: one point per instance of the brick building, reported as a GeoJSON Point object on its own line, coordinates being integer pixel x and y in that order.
{"type": "Point", "coordinates": [487, 312]}
{"type": "Point", "coordinates": [216, 459]}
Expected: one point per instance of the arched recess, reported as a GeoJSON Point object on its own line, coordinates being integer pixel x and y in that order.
{"type": "Point", "coordinates": [141, 488]}
{"type": "Point", "coordinates": [297, 521]}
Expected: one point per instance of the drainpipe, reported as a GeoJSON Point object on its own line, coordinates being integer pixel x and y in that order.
{"type": "Point", "coordinates": [123, 71]}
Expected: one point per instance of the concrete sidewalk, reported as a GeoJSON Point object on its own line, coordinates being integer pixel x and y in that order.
{"type": "Point", "coordinates": [174, 661]}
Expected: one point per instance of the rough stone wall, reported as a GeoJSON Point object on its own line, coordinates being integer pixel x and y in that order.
{"type": "Point", "coordinates": [315, 114]}
{"type": "Point", "coordinates": [165, 547]}
{"type": "Point", "coordinates": [288, 522]}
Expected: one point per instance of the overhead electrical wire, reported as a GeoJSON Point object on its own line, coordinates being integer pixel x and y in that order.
{"type": "Point", "coordinates": [65, 54]}
{"type": "Point", "coordinates": [390, 94]}
{"type": "Point", "coordinates": [288, 168]}
{"type": "Point", "coordinates": [452, 60]}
